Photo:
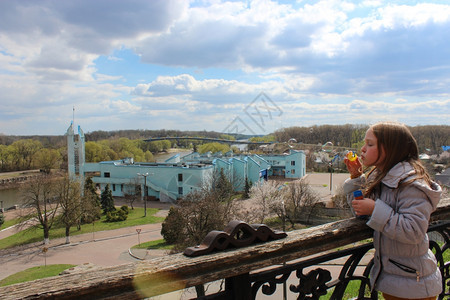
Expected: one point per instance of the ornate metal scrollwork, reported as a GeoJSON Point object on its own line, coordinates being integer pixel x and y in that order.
{"type": "Point", "coordinates": [318, 281]}
{"type": "Point", "coordinates": [312, 285]}
{"type": "Point", "coordinates": [444, 232]}
{"type": "Point", "coordinates": [237, 234]}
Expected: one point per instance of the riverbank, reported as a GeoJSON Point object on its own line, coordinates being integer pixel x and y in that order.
{"type": "Point", "coordinates": [11, 180]}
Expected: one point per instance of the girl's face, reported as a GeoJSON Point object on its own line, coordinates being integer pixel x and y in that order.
{"type": "Point", "coordinates": [370, 154]}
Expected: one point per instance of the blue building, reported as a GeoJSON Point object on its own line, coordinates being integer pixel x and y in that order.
{"type": "Point", "coordinates": [292, 165]}
{"type": "Point", "coordinates": [178, 176]}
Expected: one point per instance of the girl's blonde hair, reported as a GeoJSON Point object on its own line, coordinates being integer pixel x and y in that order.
{"type": "Point", "coordinates": [399, 145]}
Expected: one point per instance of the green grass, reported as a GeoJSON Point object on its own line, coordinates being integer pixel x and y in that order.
{"type": "Point", "coordinates": [34, 234]}
{"type": "Point", "coordinates": [9, 223]}
{"type": "Point", "coordinates": [34, 273]}
{"type": "Point", "coordinates": [446, 254]}
{"type": "Point", "coordinates": [350, 292]}
{"type": "Point", "coordinates": [154, 245]}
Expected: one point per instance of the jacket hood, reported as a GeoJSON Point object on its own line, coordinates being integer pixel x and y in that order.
{"type": "Point", "coordinates": [402, 171]}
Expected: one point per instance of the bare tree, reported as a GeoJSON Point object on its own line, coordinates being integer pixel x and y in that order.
{"type": "Point", "coordinates": [39, 195]}
{"type": "Point", "coordinates": [300, 201]}
{"type": "Point", "coordinates": [293, 202]}
{"type": "Point", "coordinates": [264, 195]}
{"type": "Point", "coordinates": [134, 193]}
{"type": "Point", "coordinates": [340, 199]}
{"type": "Point", "coordinates": [199, 212]}
{"type": "Point", "coordinates": [69, 198]}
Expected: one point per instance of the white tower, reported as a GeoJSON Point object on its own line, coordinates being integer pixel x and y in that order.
{"type": "Point", "coordinates": [75, 153]}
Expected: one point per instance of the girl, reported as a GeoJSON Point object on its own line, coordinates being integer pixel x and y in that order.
{"type": "Point", "coordinates": [399, 197]}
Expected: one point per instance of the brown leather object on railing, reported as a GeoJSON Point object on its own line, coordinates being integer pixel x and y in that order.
{"type": "Point", "coordinates": [237, 234]}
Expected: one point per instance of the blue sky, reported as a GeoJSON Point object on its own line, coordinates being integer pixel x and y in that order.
{"type": "Point", "coordinates": [230, 66]}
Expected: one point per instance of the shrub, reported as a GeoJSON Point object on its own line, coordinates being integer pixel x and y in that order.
{"type": "Point", "coordinates": [125, 209]}
{"type": "Point", "coordinates": [171, 227]}
{"type": "Point", "coordinates": [117, 215]}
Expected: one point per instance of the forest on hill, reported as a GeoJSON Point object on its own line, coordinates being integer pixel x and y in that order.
{"type": "Point", "coordinates": [47, 152]}
{"type": "Point", "coordinates": [429, 137]}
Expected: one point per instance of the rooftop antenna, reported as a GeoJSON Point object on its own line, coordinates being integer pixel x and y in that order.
{"type": "Point", "coordinates": [73, 115]}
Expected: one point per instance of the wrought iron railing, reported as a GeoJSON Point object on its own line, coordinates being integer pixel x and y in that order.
{"type": "Point", "coordinates": [295, 264]}
{"type": "Point", "coordinates": [317, 282]}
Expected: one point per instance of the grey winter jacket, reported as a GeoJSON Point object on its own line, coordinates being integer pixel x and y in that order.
{"type": "Point", "coordinates": [403, 264]}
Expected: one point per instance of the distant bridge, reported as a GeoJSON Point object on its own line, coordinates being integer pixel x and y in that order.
{"type": "Point", "coordinates": [207, 139]}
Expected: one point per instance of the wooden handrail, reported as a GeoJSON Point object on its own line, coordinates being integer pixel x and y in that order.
{"type": "Point", "coordinates": [170, 273]}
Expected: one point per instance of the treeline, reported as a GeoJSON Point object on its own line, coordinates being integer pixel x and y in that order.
{"type": "Point", "coordinates": [114, 149]}
{"type": "Point", "coordinates": [27, 154]}
{"type": "Point", "coordinates": [145, 134]}
{"type": "Point", "coordinates": [430, 138]}
{"type": "Point", "coordinates": [57, 141]}
{"type": "Point", "coordinates": [47, 152]}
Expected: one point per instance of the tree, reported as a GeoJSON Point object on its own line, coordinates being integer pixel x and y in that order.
{"type": "Point", "coordinates": [149, 156]}
{"type": "Point", "coordinates": [222, 187]}
{"type": "Point", "coordinates": [194, 217]}
{"type": "Point", "coordinates": [69, 198]}
{"type": "Point", "coordinates": [247, 187]}
{"type": "Point", "coordinates": [133, 194]}
{"type": "Point", "coordinates": [107, 200]}
{"type": "Point", "coordinates": [2, 218]}
{"type": "Point", "coordinates": [227, 137]}
{"type": "Point", "coordinates": [199, 212]}
{"type": "Point", "coordinates": [5, 158]}
{"type": "Point", "coordinates": [39, 194]}
{"type": "Point", "coordinates": [294, 201]}
{"type": "Point", "coordinates": [171, 226]}
{"type": "Point", "coordinates": [90, 203]}
{"type": "Point", "coordinates": [47, 159]}
{"type": "Point", "coordinates": [213, 147]}
{"type": "Point", "coordinates": [264, 195]}
{"type": "Point", "coordinates": [24, 151]}
{"type": "Point", "coordinates": [300, 201]}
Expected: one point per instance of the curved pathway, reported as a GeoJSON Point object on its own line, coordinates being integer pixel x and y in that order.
{"type": "Point", "coordinates": [104, 248]}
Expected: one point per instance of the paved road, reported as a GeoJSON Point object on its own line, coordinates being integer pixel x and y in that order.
{"type": "Point", "coordinates": [105, 248]}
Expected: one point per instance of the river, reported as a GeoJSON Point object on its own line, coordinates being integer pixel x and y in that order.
{"type": "Point", "coordinates": [9, 197]}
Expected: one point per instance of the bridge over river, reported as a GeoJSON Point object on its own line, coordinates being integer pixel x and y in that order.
{"type": "Point", "coordinates": [231, 142]}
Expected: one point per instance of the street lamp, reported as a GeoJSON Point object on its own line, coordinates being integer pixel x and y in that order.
{"type": "Point", "coordinates": [328, 147]}
{"type": "Point", "coordinates": [145, 190]}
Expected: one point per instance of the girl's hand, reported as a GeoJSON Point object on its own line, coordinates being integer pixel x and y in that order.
{"type": "Point", "coordinates": [353, 167]}
{"type": "Point", "coordinates": [363, 207]}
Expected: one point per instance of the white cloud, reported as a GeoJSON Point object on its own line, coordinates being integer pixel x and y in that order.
{"type": "Point", "coordinates": [325, 61]}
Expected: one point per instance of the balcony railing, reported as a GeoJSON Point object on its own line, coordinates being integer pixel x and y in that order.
{"type": "Point", "coordinates": [249, 272]}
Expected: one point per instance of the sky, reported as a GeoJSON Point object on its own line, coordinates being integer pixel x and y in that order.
{"type": "Point", "coordinates": [250, 67]}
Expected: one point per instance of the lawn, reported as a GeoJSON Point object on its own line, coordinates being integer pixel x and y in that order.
{"type": "Point", "coordinates": [35, 234]}
{"type": "Point", "coordinates": [34, 273]}
{"type": "Point", "coordinates": [154, 245]}
{"type": "Point", "coordinates": [9, 223]}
